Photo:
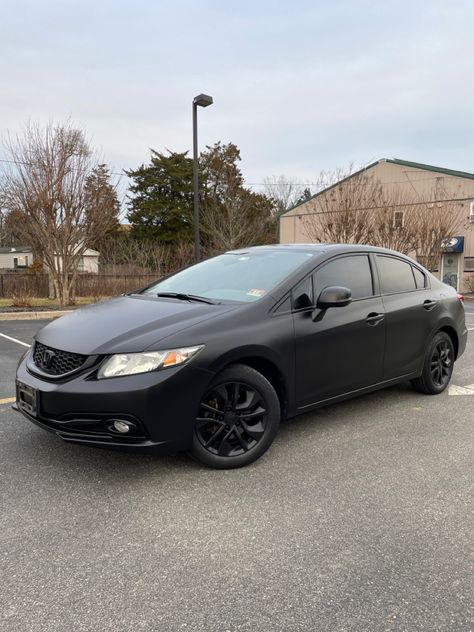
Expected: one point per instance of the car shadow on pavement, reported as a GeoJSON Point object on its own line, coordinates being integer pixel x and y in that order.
{"type": "Point", "coordinates": [32, 447]}
{"type": "Point", "coordinates": [351, 411]}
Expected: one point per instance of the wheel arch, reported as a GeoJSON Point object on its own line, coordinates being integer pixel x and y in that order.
{"type": "Point", "coordinates": [270, 371]}
{"type": "Point", "coordinates": [452, 333]}
{"type": "Point", "coordinates": [261, 360]}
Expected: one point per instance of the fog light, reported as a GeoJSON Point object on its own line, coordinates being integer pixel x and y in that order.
{"type": "Point", "coordinates": [122, 426]}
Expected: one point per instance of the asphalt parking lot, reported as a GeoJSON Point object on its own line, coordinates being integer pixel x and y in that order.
{"type": "Point", "coordinates": [359, 518]}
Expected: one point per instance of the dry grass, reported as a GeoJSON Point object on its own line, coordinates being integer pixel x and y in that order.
{"type": "Point", "coordinates": [47, 302]}
{"type": "Point", "coordinates": [21, 299]}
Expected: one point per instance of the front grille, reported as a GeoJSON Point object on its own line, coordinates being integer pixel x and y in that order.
{"type": "Point", "coordinates": [55, 361]}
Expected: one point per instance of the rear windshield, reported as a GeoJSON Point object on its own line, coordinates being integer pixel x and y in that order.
{"type": "Point", "coordinates": [242, 277]}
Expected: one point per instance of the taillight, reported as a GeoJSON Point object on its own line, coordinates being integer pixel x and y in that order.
{"type": "Point", "coordinates": [461, 297]}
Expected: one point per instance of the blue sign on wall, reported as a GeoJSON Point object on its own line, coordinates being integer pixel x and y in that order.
{"type": "Point", "coordinates": [454, 244]}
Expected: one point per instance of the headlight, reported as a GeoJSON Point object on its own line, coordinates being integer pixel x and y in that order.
{"type": "Point", "coordinates": [131, 363]}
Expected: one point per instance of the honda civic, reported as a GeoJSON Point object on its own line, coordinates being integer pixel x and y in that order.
{"type": "Point", "coordinates": [213, 357]}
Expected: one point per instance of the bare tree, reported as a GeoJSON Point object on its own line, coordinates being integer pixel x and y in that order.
{"type": "Point", "coordinates": [358, 208]}
{"type": "Point", "coordinates": [3, 235]}
{"type": "Point", "coordinates": [343, 211]}
{"type": "Point", "coordinates": [283, 190]}
{"type": "Point", "coordinates": [239, 218]}
{"type": "Point", "coordinates": [125, 254]}
{"type": "Point", "coordinates": [47, 186]}
{"type": "Point", "coordinates": [436, 221]}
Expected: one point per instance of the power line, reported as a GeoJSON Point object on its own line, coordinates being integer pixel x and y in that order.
{"type": "Point", "coordinates": [276, 184]}
{"type": "Point", "coordinates": [384, 206]}
{"type": "Point", "coordinates": [33, 164]}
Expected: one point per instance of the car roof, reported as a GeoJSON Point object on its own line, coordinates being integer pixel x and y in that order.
{"type": "Point", "coordinates": [318, 248]}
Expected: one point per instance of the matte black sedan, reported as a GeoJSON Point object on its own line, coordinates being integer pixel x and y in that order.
{"type": "Point", "coordinates": [211, 358]}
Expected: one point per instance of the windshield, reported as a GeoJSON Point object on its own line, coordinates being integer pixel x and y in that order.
{"type": "Point", "coordinates": [242, 277]}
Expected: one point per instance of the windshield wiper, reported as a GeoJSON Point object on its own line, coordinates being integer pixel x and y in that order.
{"type": "Point", "coordinates": [187, 297]}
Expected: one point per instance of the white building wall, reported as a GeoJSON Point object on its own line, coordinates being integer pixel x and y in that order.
{"type": "Point", "coordinates": [7, 259]}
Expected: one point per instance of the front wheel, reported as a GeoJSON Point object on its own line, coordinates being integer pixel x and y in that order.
{"type": "Point", "coordinates": [438, 365]}
{"type": "Point", "coordinates": [238, 419]}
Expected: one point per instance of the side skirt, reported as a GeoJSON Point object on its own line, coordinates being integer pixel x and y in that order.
{"type": "Point", "coordinates": [360, 391]}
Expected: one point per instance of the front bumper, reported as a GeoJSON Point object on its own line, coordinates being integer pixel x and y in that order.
{"type": "Point", "coordinates": [162, 405]}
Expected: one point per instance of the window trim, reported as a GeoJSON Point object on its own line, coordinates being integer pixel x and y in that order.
{"type": "Point", "coordinates": [425, 286]}
{"type": "Point", "coordinates": [308, 307]}
{"type": "Point", "coordinates": [402, 223]}
{"type": "Point", "coordinates": [465, 268]}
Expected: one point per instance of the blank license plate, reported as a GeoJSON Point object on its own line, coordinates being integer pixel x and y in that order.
{"type": "Point", "coordinates": [27, 398]}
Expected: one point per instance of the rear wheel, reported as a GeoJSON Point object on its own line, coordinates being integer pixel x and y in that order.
{"type": "Point", "coordinates": [438, 366]}
{"type": "Point", "coordinates": [238, 419]}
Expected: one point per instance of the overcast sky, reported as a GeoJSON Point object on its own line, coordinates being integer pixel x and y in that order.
{"type": "Point", "coordinates": [299, 86]}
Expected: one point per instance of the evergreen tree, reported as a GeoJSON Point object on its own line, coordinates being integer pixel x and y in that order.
{"type": "Point", "coordinates": [101, 200]}
{"type": "Point", "coordinates": [304, 197]}
{"type": "Point", "coordinates": [232, 215]}
{"type": "Point", "coordinates": [161, 201]}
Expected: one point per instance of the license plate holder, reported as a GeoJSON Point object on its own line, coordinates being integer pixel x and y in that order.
{"type": "Point", "coordinates": [27, 398]}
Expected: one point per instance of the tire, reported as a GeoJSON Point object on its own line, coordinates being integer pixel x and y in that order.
{"type": "Point", "coordinates": [437, 367]}
{"type": "Point", "coordinates": [238, 418]}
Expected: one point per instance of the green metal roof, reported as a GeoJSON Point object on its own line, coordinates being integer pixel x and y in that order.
{"type": "Point", "coordinates": [394, 161]}
{"type": "Point", "coordinates": [420, 165]}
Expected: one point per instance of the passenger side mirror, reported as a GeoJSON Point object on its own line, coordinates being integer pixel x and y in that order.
{"type": "Point", "coordinates": [334, 296]}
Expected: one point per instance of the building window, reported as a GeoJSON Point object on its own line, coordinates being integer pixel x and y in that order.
{"type": "Point", "coordinates": [398, 218]}
{"type": "Point", "coordinates": [471, 213]}
{"type": "Point", "coordinates": [468, 264]}
{"type": "Point", "coordinates": [20, 262]}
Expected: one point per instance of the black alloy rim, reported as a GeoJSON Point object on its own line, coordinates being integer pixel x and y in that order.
{"type": "Point", "coordinates": [232, 419]}
{"type": "Point", "coordinates": [441, 363]}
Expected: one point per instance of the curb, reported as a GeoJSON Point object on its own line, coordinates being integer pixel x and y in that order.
{"type": "Point", "coordinates": [33, 315]}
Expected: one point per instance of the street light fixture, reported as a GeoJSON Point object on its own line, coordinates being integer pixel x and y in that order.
{"type": "Point", "coordinates": [202, 100]}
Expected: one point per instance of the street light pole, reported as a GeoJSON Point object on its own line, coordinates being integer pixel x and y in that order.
{"type": "Point", "coordinates": [203, 100]}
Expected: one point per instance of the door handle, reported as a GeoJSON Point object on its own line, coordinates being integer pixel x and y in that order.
{"type": "Point", "coordinates": [428, 305]}
{"type": "Point", "coordinates": [374, 319]}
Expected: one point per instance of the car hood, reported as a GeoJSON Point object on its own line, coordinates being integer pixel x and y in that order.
{"type": "Point", "coordinates": [125, 324]}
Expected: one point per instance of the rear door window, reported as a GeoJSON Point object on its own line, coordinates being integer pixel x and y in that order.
{"type": "Point", "coordinates": [420, 279]}
{"type": "Point", "coordinates": [352, 272]}
{"type": "Point", "coordinates": [395, 275]}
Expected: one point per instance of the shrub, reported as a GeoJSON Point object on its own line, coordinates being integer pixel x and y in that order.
{"type": "Point", "coordinates": [21, 298]}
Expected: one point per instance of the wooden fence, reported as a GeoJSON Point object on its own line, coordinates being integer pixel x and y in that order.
{"type": "Point", "coordinates": [36, 285]}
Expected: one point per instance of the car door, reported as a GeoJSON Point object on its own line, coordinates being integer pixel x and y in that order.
{"type": "Point", "coordinates": [411, 313]}
{"type": "Point", "coordinates": [342, 350]}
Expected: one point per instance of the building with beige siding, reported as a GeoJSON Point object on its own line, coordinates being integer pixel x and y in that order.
{"type": "Point", "coordinates": [422, 210]}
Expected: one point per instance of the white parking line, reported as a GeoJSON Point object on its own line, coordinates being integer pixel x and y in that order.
{"type": "Point", "coordinates": [461, 390]}
{"type": "Point", "coordinates": [7, 400]}
{"type": "Point", "coordinates": [15, 340]}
